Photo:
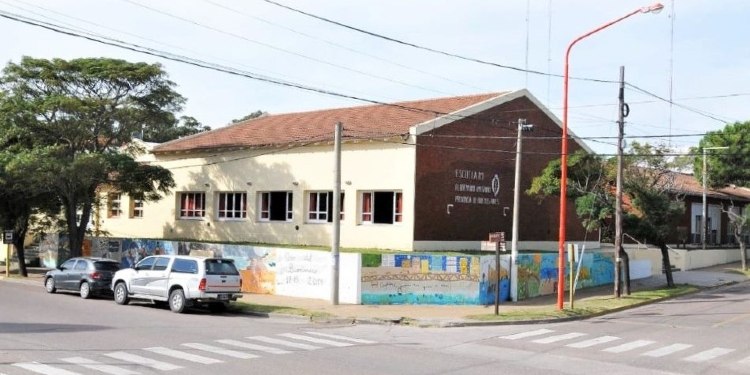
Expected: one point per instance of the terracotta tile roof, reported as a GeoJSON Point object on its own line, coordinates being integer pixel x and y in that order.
{"type": "Point", "coordinates": [375, 120]}
{"type": "Point", "coordinates": [689, 185]}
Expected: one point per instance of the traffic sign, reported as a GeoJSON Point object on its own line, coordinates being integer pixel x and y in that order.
{"type": "Point", "coordinates": [7, 237]}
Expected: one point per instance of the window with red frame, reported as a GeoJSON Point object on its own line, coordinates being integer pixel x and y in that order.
{"type": "Point", "coordinates": [381, 207]}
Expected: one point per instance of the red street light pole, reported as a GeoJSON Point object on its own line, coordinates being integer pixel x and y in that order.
{"type": "Point", "coordinates": [564, 153]}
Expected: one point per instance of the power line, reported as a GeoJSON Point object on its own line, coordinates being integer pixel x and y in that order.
{"type": "Point", "coordinates": [275, 48]}
{"type": "Point", "coordinates": [696, 111]}
{"type": "Point", "coordinates": [433, 50]}
{"type": "Point", "coordinates": [337, 45]}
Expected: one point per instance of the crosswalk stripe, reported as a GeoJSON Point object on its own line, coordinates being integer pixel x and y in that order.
{"type": "Point", "coordinates": [667, 350]}
{"type": "Point", "coordinates": [337, 337]}
{"type": "Point", "coordinates": [628, 346]}
{"type": "Point", "coordinates": [526, 334]}
{"type": "Point", "coordinates": [592, 342]}
{"type": "Point", "coordinates": [247, 345]}
{"type": "Point", "coordinates": [40, 368]}
{"type": "Point", "coordinates": [745, 361]}
{"type": "Point", "coordinates": [143, 361]}
{"type": "Point", "coordinates": [182, 355]}
{"type": "Point", "coordinates": [315, 340]}
{"type": "Point", "coordinates": [98, 366]}
{"type": "Point", "coordinates": [218, 350]}
{"type": "Point", "coordinates": [290, 344]}
{"type": "Point", "coordinates": [708, 354]}
{"type": "Point", "coordinates": [551, 339]}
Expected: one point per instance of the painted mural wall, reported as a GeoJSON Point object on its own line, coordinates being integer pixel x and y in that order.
{"type": "Point", "coordinates": [432, 279]}
{"type": "Point", "coordinates": [373, 279]}
{"type": "Point", "coordinates": [264, 270]}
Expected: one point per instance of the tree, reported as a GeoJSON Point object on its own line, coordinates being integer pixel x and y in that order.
{"type": "Point", "coordinates": [656, 210]}
{"type": "Point", "coordinates": [653, 210]}
{"type": "Point", "coordinates": [731, 166]}
{"type": "Point", "coordinates": [82, 114]}
{"type": "Point", "coordinates": [740, 224]}
{"type": "Point", "coordinates": [251, 116]}
{"type": "Point", "coordinates": [184, 127]}
{"type": "Point", "coordinates": [589, 184]}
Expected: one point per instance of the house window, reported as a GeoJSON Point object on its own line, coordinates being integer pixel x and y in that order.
{"type": "Point", "coordinates": [381, 207]}
{"type": "Point", "coordinates": [320, 207]}
{"type": "Point", "coordinates": [192, 205]}
{"type": "Point", "coordinates": [136, 207]}
{"type": "Point", "coordinates": [275, 206]}
{"type": "Point", "coordinates": [232, 205]}
{"type": "Point", "coordinates": [114, 204]}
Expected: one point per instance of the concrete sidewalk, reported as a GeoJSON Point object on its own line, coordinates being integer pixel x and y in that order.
{"type": "Point", "coordinates": [453, 315]}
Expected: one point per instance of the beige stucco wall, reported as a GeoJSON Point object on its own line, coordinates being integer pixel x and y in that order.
{"type": "Point", "coordinates": [365, 166]}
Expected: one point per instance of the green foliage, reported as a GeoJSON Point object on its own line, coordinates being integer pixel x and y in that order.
{"type": "Point", "coordinates": [69, 125]}
{"type": "Point", "coordinates": [184, 127]}
{"type": "Point", "coordinates": [730, 166]}
{"type": "Point", "coordinates": [250, 116]}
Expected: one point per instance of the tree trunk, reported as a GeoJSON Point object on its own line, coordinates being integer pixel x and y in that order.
{"type": "Point", "coordinates": [743, 256]}
{"type": "Point", "coordinates": [625, 260]}
{"type": "Point", "coordinates": [666, 264]}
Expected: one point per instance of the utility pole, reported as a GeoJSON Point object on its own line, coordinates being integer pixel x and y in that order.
{"type": "Point", "coordinates": [623, 112]}
{"type": "Point", "coordinates": [336, 212]}
{"type": "Point", "coordinates": [522, 127]}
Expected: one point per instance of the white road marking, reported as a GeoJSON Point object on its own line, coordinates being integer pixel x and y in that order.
{"type": "Point", "coordinates": [337, 337]}
{"type": "Point", "coordinates": [44, 369]}
{"type": "Point", "coordinates": [218, 350]}
{"type": "Point", "coordinates": [628, 346]}
{"type": "Point", "coordinates": [290, 344]}
{"type": "Point", "coordinates": [315, 340]}
{"type": "Point", "coordinates": [667, 350]}
{"type": "Point", "coordinates": [143, 361]}
{"type": "Point", "coordinates": [182, 355]}
{"type": "Point", "coordinates": [98, 366]}
{"type": "Point", "coordinates": [551, 339]}
{"type": "Point", "coordinates": [526, 334]}
{"type": "Point", "coordinates": [593, 342]}
{"type": "Point", "coordinates": [708, 354]}
{"type": "Point", "coordinates": [260, 348]}
{"type": "Point", "coordinates": [745, 361]}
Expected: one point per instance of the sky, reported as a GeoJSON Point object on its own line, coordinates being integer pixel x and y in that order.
{"type": "Point", "coordinates": [694, 52]}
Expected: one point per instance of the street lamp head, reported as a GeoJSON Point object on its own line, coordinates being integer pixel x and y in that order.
{"type": "Point", "coordinates": [656, 8]}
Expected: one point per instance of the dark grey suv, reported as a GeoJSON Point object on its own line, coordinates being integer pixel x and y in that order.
{"type": "Point", "coordinates": [87, 276]}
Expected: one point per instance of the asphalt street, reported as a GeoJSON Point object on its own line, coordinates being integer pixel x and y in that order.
{"type": "Point", "coordinates": [61, 334]}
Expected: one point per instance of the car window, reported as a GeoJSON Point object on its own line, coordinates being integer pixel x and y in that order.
{"type": "Point", "coordinates": [68, 264]}
{"type": "Point", "coordinates": [146, 263]}
{"type": "Point", "coordinates": [107, 266]}
{"type": "Point", "coordinates": [81, 265]}
{"type": "Point", "coordinates": [220, 267]}
{"type": "Point", "coordinates": [161, 264]}
{"type": "Point", "coordinates": [185, 266]}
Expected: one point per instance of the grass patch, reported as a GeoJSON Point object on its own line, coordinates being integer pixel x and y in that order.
{"type": "Point", "coordinates": [269, 309]}
{"type": "Point", "coordinates": [589, 306]}
{"type": "Point", "coordinates": [738, 271]}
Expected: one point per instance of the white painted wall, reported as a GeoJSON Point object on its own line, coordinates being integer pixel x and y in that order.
{"type": "Point", "coordinates": [365, 166]}
{"type": "Point", "coordinates": [307, 274]}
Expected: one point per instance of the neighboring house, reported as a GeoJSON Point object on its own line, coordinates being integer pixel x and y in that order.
{"type": "Point", "coordinates": [719, 231]}
{"type": "Point", "coordinates": [422, 175]}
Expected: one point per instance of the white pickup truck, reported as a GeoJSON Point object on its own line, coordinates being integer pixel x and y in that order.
{"type": "Point", "coordinates": [180, 280]}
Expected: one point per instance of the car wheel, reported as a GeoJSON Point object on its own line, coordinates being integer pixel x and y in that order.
{"type": "Point", "coordinates": [177, 301]}
{"type": "Point", "coordinates": [49, 285]}
{"type": "Point", "coordinates": [121, 294]}
{"type": "Point", "coordinates": [85, 290]}
{"type": "Point", "coordinates": [217, 307]}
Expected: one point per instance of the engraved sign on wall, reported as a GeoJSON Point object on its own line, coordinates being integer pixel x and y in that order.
{"type": "Point", "coordinates": [476, 187]}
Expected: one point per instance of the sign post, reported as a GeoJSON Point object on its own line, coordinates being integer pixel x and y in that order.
{"type": "Point", "coordinates": [7, 240]}
{"type": "Point", "coordinates": [496, 242]}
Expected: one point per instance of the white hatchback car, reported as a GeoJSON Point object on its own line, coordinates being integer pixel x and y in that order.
{"type": "Point", "coordinates": [180, 280]}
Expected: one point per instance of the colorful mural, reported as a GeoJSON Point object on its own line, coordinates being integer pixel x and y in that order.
{"type": "Point", "coordinates": [383, 278]}
{"type": "Point", "coordinates": [431, 279]}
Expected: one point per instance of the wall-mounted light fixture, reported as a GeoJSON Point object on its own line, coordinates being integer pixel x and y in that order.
{"type": "Point", "coordinates": [207, 184]}
{"type": "Point", "coordinates": [295, 183]}
{"type": "Point", "coordinates": [249, 183]}
{"type": "Point", "coordinates": [348, 182]}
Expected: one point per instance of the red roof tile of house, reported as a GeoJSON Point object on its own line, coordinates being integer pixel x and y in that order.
{"type": "Point", "coordinates": [304, 127]}
{"type": "Point", "coordinates": [689, 185]}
